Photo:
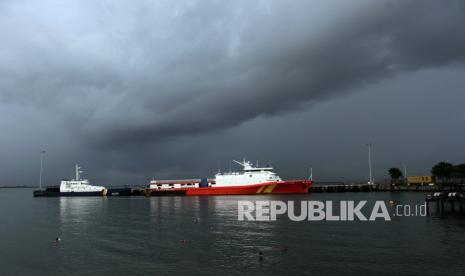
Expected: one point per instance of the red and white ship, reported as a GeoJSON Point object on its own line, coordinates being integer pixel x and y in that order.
{"type": "Point", "coordinates": [251, 180]}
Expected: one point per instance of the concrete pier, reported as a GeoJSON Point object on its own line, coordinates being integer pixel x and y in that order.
{"type": "Point", "coordinates": [340, 187]}
{"type": "Point", "coordinates": [446, 202]}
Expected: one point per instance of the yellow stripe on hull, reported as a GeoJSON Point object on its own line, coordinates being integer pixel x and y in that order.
{"type": "Point", "coordinates": [260, 189]}
{"type": "Point", "coordinates": [269, 189]}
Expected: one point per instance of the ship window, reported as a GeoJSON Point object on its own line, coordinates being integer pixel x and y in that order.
{"type": "Point", "coordinates": [250, 175]}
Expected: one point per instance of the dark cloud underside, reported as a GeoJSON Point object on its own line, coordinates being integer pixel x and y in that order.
{"type": "Point", "coordinates": [140, 75]}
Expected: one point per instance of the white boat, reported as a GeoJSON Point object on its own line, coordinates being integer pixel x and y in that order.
{"type": "Point", "coordinates": [73, 187]}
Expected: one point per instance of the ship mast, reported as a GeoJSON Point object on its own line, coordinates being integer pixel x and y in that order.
{"type": "Point", "coordinates": [78, 172]}
{"type": "Point", "coordinates": [240, 163]}
{"type": "Point", "coordinates": [369, 164]}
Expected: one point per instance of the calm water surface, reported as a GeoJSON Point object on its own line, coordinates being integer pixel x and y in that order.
{"type": "Point", "coordinates": [139, 235]}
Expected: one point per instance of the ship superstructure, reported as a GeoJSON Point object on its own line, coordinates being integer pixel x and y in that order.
{"type": "Point", "coordinates": [250, 175]}
{"type": "Point", "coordinates": [78, 185]}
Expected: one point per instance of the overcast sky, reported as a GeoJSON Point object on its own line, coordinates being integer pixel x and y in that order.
{"type": "Point", "coordinates": [174, 89]}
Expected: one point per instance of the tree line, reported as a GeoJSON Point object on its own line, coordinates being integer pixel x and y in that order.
{"type": "Point", "coordinates": [446, 171]}
{"type": "Point", "coordinates": [443, 171]}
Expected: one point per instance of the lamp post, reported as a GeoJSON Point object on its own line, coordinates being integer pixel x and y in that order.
{"type": "Point", "coordinates": [405, 173]}
{"type": "Point", "coordinates": [42, 153]}
{"type": "Point", "coordinates": [369, 164]}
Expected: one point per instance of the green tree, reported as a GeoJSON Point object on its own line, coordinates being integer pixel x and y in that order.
{"type": "Point", "coordinates": [458, 171]}
{"type": "Point", "coordinates": [443, 170]}
{"type": "Point", "coordinates": [395, 173]}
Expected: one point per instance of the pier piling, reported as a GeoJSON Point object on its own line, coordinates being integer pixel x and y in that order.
{"type": "Point", "coordinates": [443, 199]}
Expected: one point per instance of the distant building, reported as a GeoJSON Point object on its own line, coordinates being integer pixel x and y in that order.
{"type": "Point", "coordinates": [420, 180]}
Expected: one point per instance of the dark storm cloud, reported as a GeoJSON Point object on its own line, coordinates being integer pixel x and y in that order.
{"type": "Point", "coordinates": [145, 72]}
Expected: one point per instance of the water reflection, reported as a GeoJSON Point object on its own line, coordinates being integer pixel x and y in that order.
{"type": "Point", "coordinates": [211, 227]}
{"type": "Point", "coordinates": [79, 210]}
{"type": "Point", "coordinates": [141, 235]}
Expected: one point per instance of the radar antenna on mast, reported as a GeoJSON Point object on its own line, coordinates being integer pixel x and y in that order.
{"type": "Point", "coordinates": [78, 172]}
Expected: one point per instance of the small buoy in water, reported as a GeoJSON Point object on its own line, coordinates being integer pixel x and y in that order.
{"type": "Point", "coordinates": [284, 249]}
{"type": "Point", "coordinates": [183, 241]}
{"type": "Point", "coordinates": [56, 242]}
{"type": "Point", "coordinates": [260, 255]}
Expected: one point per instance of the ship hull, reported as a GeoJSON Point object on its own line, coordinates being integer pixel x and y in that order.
{"type": "Point", "coordinates": [281, 187]}
{"type": "Point", "coordinates": [56, 193]}
{"type": "Point", "coordinates": [41, 193]}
